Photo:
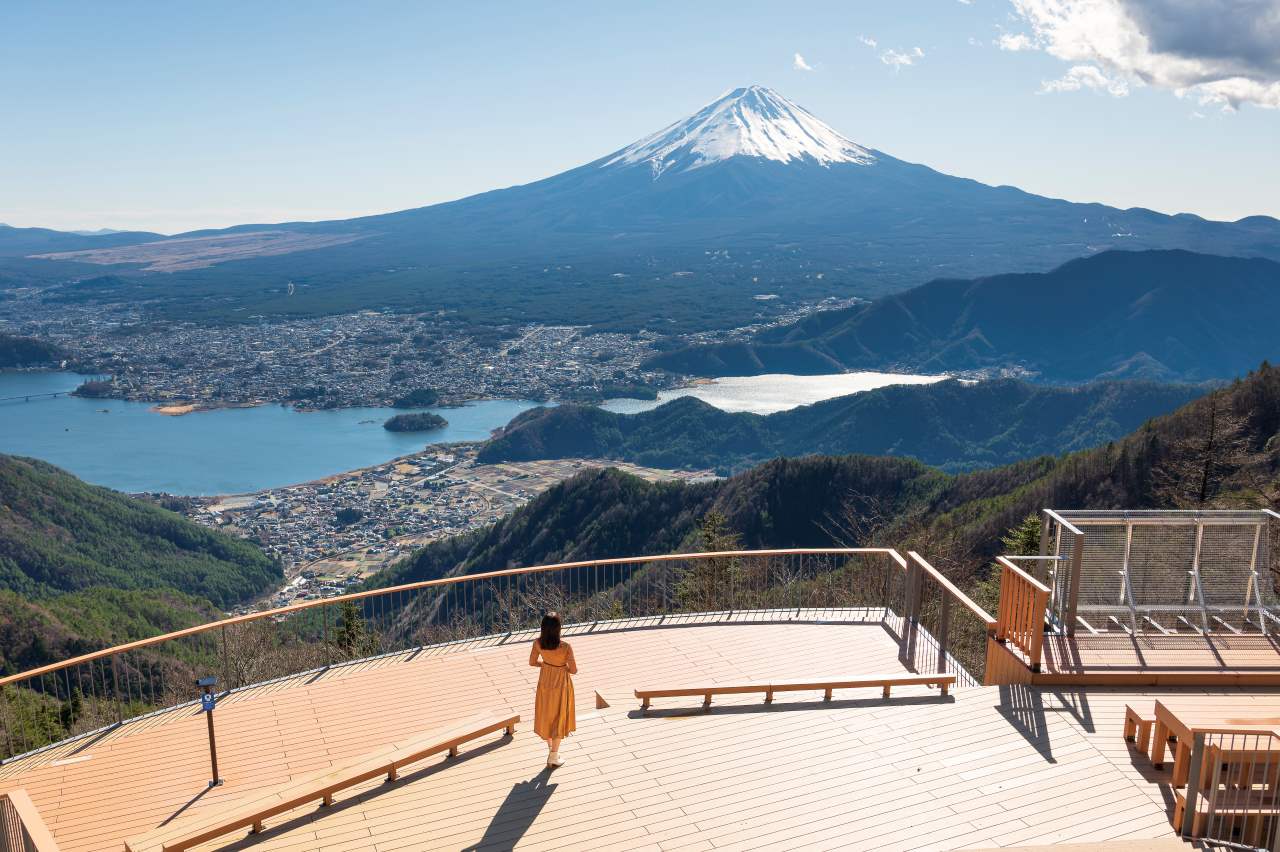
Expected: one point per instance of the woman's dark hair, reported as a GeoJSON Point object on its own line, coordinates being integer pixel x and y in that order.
{"type": "Point", "coordinates": [550, 638]}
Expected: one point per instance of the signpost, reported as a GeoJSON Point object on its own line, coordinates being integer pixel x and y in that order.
{"type": "Point", "coordinates": [207, 702]}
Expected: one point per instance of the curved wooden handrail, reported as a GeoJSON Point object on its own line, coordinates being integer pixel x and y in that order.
{"type": "Point", "coordinates": [955, 592]}
{"type": "Point", "coordinates": [443, 581]}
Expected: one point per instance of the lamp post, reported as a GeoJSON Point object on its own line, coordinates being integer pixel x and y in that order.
{"type": "Point", "coordinates": [207, 702]}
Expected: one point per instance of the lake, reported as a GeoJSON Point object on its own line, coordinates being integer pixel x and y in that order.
{"type": "Point", "coordinates": [773, 392]}
{"type": "Point", "coordinates": [127, 446]}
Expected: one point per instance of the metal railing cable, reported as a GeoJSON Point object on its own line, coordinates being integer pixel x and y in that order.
{"type": "Point", "coordinates": [103, 689]}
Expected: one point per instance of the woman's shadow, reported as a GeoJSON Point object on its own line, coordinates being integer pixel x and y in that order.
{"type": "Point", "coordinates": [517, 812]}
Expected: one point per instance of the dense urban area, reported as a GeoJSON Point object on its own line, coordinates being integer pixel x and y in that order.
{"type": "Point", "coordinates": [367, 358]}
{"type": "Point", "coordinates": [340, 530]}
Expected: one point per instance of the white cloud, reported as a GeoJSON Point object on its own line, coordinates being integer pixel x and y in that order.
{"type": "Point", "coordinates": [800, 65]}
{"type": "Point", "coordinates": [867, 40]}
{"type": "Point", "coordinates": [1197, 115]}
{"type": "Point", "coordinates": [897, 59]}
{"type": "Point", "coordinates": [917, 51]}
{"type": "Point", "coordinates": [975, 42]}
{"type": "Point", "coordinates": [1086, 77]}
{"type": "Point", "coordinates": [1217, 51]}
{"type": "Point", "coordinates": [1015, 42]}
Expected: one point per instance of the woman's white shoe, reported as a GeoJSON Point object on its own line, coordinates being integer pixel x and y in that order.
{"type": "Point", "coordinates": [554, 759]}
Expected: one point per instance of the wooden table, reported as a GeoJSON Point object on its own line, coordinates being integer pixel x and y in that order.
{"type": "Point", "coordinates": [1187, 721]}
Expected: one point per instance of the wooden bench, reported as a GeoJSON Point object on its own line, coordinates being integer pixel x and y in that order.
{"type": "Point", "coordinates": [943, 681]}
{"type": "Point", "coordinates": [1137, 726]}
{"type": "Point", "coordinates": [250, 810]}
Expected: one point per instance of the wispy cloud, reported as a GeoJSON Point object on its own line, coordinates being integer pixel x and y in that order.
{"type": "Point", "coordinates": [898, 59]}
{"type": "Point", "coordinates": [800, 65]}
{"type": "Point", "coordinates": [867, 40]}
{"type": "Point", "coordinates": [1086, 77]}
{"type": "Point", "coordinates": [1015, 41]}
{"type": "Point", "coordinates": [1217, 51]}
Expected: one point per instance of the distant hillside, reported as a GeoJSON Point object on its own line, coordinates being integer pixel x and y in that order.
{"type": "Point", "coordinates": [17, 242]}
{"type": "Point", "coordinates": [682, 230]}
{"type": "Point", "coordinates": [1220, 450]}
{"type": "Point", "coordinates": [27, 352]}
{"type": "Point", "coordinates": [86, 564]}
{"type": "Point", "coordinates": [1160, 315]}
{"type": "Point", "coordinates": [951, 425]}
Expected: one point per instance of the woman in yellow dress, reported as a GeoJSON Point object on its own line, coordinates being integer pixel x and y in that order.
{"type": "Point", "coordinates": [553, 717]}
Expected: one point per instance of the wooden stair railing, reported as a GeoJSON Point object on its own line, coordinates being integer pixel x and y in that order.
{"type": "Point", "coordinates": [943, 681]}
{"type": "Point", "coordinates": [250, 810]}
{"type": "Point", "coordinates": [20, 824]}
{"type": "Point", "coordinates": [1024, 600]}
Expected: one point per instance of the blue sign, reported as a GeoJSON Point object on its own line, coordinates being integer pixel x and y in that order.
{"type": "Point", "coordinates": [207, 702]}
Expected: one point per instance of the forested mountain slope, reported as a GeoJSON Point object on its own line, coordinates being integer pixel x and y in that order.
{"type": "Point", "coordinates": [82, 565]}
{"type": "Point", "coordinates": [1220, 450]}
{"type": "Point", "coordinates": [952, 425]}
{"type": "Point", "coordinates": [1163, 315]}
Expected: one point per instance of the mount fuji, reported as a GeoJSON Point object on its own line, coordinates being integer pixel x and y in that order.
{"type": "Point", "coordinates": [750, 196]}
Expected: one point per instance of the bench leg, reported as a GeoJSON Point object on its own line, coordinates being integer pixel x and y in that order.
{"type": "Point", "coordinates": [885, 693]}
{"type": "Point", "coordinates": [827, 696]}
{"type": "Point", "coordinates": [257, 828]}
{"type": "Point", "coordinates": [1159, 738]}
{"type": "Point", "coordinates": [1144, 737]}
{"type": "Point", "coordinates": [768, 696]}
{"type": "Point", "coordinates": [327, 800]}
{"type": "Point", "coordinates": [706, 702]}
{"type": "Point", "coordinates": [510, 730]}
{"type": "Point", "coordinates": [1181, 764]}
{"type": "Point", "coordinates": [453, 751]}
{"type": "Point", "coordinates": [392, 775]}
{"type": "Point", "coordinates": [644, 705]}
{"type": "Point", "coordinates": [944, 687]}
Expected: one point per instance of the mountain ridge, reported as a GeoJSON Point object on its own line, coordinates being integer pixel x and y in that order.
{"type": "Point", "coordinates": [1158, 315]}
{"type": "Point", "coordinates": [950, 425]}
{"type": "Point", "coordinates": [613, 246]}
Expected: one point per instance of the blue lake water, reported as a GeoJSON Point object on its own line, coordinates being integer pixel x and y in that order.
{"type": "Point", "coordinates": [127, 446]}
{"type": "Point", "coordinates": [773, 392]}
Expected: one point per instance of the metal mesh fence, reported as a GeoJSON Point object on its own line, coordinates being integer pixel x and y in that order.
{"type": "Point", "coordinates": [1163, 571]}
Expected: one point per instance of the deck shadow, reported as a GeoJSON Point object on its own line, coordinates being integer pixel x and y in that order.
{"type": "Point", "coordinates": [361, 798]}
{"type": "Point", "coordinates": [1023, 708]}
{"type": "Point", "coordinates": [516, 814]}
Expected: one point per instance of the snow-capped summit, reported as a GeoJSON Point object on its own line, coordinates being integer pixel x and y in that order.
{"type": "Point", "coordinates": [750, 122]}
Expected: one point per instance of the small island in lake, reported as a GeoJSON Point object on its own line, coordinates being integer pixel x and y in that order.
{"type": "Point", "coordinates": [419, 421]}
{"type": "Point", "coordinates": [93, 389]}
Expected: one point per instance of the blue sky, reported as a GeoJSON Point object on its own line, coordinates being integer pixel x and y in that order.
{"type": "Point", "coordinates": [174, 116]}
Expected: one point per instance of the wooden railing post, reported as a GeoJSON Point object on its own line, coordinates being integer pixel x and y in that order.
{"type": "Point", "coordinates": [1193, 787]}
{"type": "Point", "coordinates": [944, 625]}
{"type": "Point", "coordinates": [911, 593]}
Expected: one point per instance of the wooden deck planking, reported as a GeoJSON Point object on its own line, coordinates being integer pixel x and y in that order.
{"type": "Point", "coordinates": [1183, 659]}
{"type": "Point", "coordinates": [985, 767]}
